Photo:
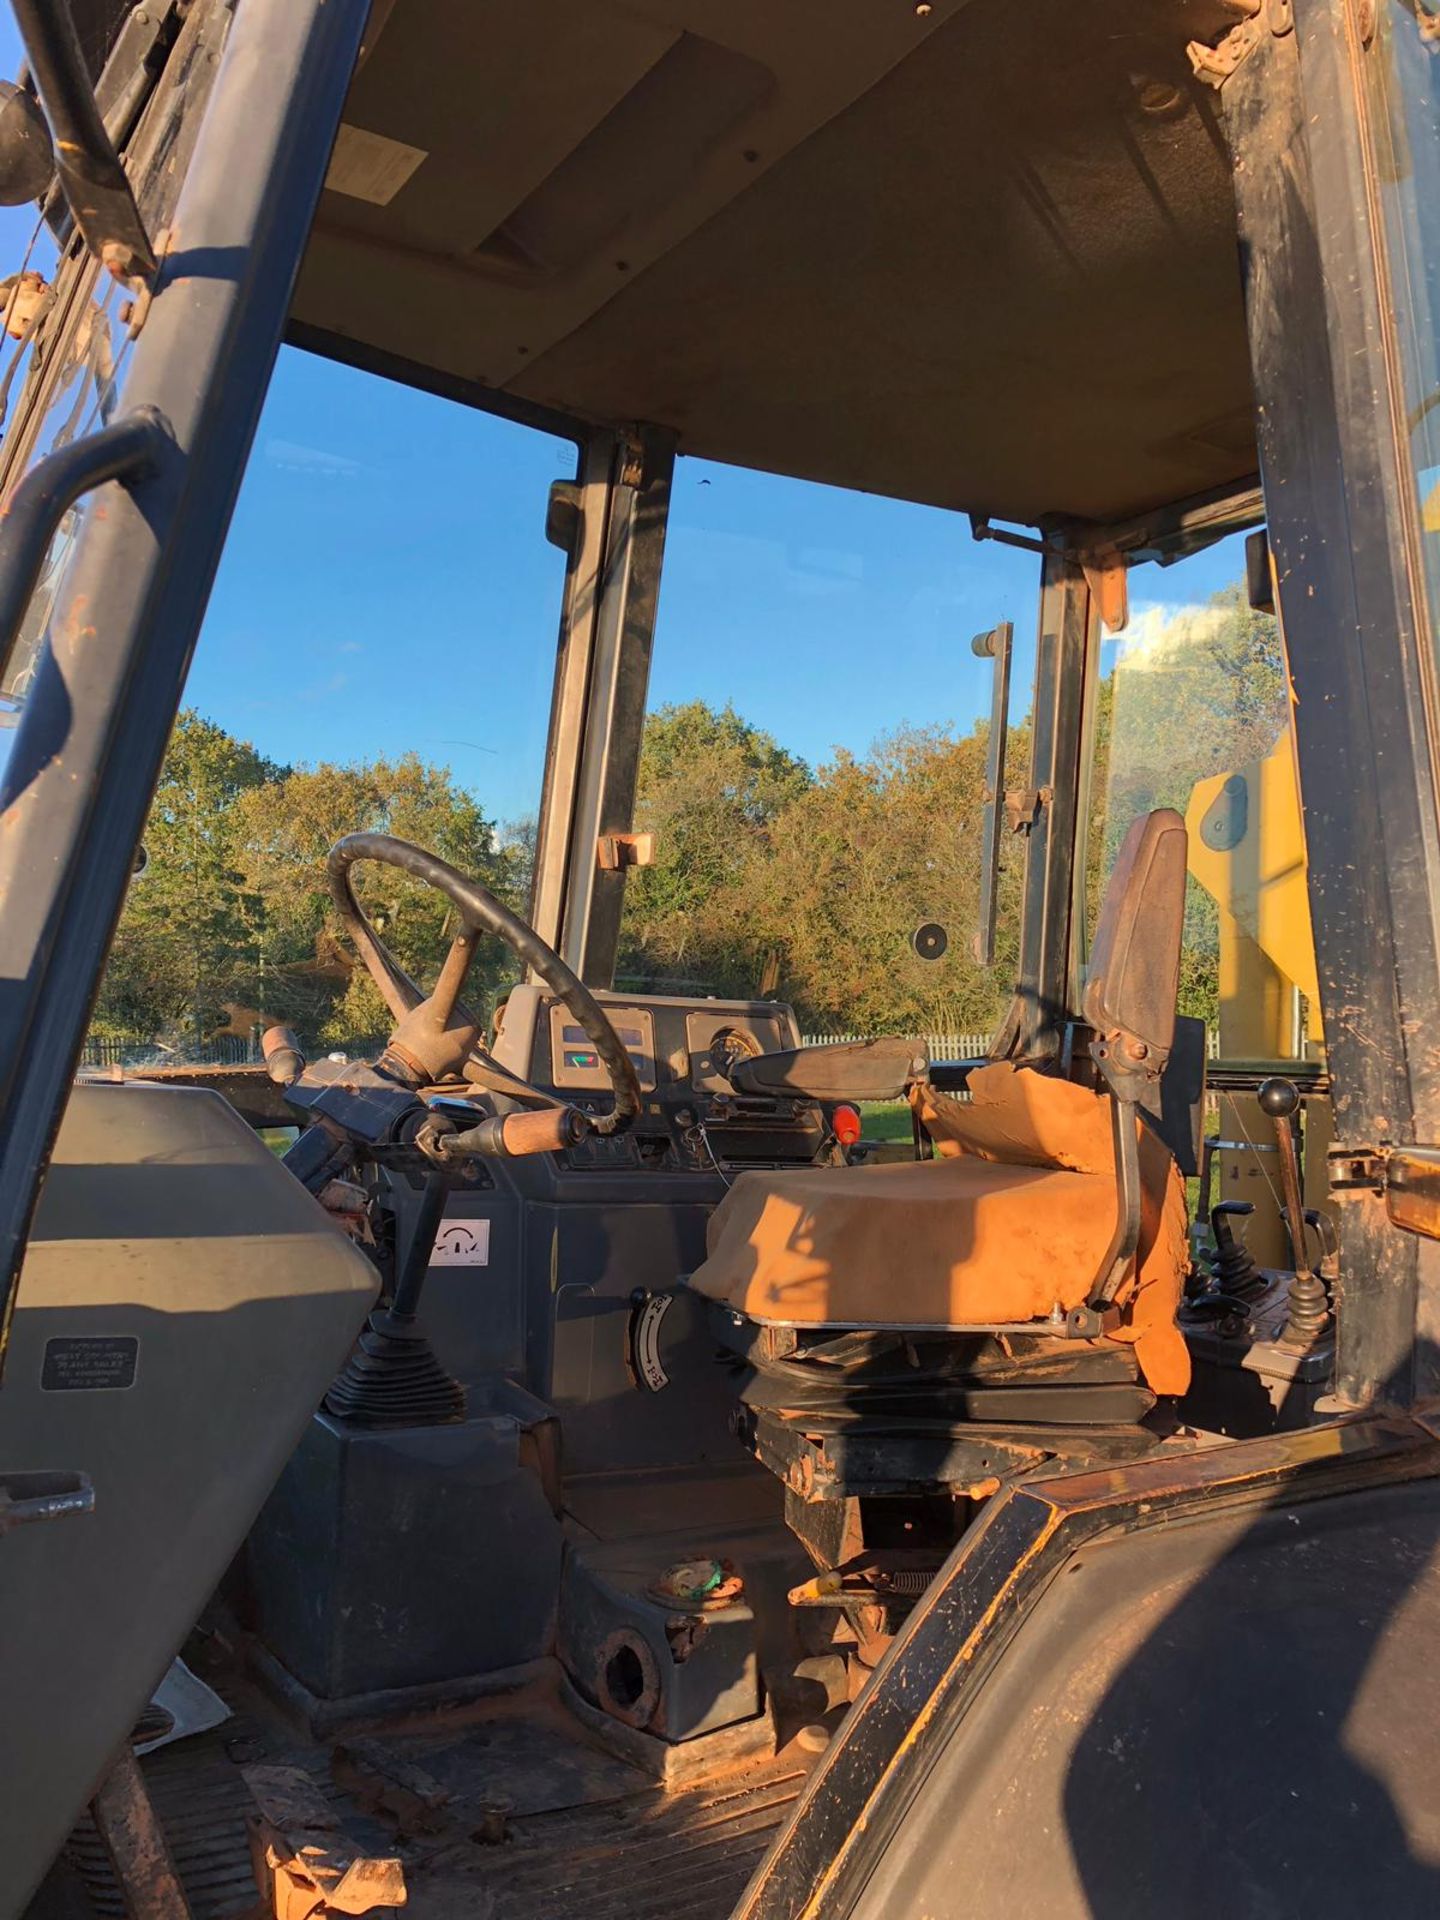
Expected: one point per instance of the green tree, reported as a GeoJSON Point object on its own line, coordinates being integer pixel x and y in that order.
{"type": "Point", "coordinates": [710, 787]}
{"type": "Point", "coordinates": [311, 976]}
{"type": "Point", "coordinates": [874, 848]}
{"type": "Point", "coordinates": [192, 925]}
{"type": "Point", "coordinates": [231, 925]}
{"type": "Point", "coordinates": [771, 878]}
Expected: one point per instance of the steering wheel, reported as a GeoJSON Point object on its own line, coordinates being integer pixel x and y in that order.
{"type": "Point", "coordinates": [436, 1035]}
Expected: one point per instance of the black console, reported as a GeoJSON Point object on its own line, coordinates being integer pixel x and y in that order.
{"type": "Point", "coordinates": [556, 1462]}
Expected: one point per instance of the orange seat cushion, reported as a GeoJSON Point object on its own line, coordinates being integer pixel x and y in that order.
{"type": "Point", "coordinates": [1013, 1218]}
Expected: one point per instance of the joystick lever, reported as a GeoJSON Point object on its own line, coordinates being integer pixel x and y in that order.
{"type": "Point", "coordinates": [1309, 1313]}
{"type": "Point", "coordinates": [1279, 1098]}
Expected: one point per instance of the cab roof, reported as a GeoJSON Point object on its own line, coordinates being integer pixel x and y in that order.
{"type": "Point", "coordinates": [980, 254]}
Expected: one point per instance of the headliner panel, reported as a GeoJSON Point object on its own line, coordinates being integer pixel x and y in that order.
{"type": "Point", "coordinates": [986, 260]}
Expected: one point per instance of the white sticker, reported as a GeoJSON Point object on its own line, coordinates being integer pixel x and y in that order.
{"type": "Point", "coordinates": [462, 1243]}
{"type": "Point", "coordinates": [367, 166]}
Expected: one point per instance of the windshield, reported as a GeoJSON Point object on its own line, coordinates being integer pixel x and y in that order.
{"type": "Point", "coordinates": [813, 764]}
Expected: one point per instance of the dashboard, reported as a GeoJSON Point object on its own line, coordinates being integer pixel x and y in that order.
{"type": "Point", "coordinates": [692, 1119]}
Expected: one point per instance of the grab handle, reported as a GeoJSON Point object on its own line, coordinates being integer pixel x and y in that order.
{"type": "Point", "coordinates": [127, 450]}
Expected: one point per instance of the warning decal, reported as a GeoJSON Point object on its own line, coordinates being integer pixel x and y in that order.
{"type": "Point", "coordinates": [462, 1243]}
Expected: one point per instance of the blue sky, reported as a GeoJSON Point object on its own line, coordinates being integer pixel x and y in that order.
{"type": "Point", "coordinates": [386, 586]}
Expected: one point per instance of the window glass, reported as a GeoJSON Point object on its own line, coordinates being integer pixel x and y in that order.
{"type": "Point", "coordinates": [1403, 72]}
{"type": "Point", "coordinates": [378, 653]}
{"type": "Point", "coordinates": [814, 754]}
{"type": "Point", "coordinates": [1191, 711]}
{"type": "Point", "coordinates": [65, 332]}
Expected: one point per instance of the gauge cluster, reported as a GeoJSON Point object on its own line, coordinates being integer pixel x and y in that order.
{"type": "Point", "coordinates": [692, 1119]}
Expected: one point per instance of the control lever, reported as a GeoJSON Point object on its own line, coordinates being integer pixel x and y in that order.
{"type": "Point", "coordinates": [393, 1378]}
{"type": "Point", "coordinates": [1234, 1269]}
{"type": "Point", "coordinates": [507, 1136]}
{"type": "Point", "coordinates": [1324, 1226]}
{"type": "Point", "coordinates": [1279, 1098]}
{"type": "Point", "coordinates": [1309, 1313]}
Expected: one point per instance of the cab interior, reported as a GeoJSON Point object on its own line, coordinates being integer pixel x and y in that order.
{"type": "Point", "coordinates": [673, 1396]}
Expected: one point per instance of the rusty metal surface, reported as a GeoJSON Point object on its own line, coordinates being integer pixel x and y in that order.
{"type": "Point", "coordinates": [969, 1611]}
{"type": "Point", "coordinates": [639, 1859]}
{"type": "Point", "coordinates": [495, 1812]}
{"type": "Point", "coordinates": [135, 1844]}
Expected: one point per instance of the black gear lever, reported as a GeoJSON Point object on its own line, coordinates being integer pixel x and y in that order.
{"type": "Point", "coordinates": [393, 1378]}
{"type": "Point", "coordinates": [1309, 1313]}
{"type": "Point", "coordinates": [1280, 1098]}
{"type": "Point", "coordinates": [1232, 1266]}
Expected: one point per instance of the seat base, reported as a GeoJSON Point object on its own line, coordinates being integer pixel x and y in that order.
{"type": "Point", "coordinates": [831, 1457]}
{"type": "Point", "coordinates": [881, 1415]}
{"type": "Point", "coordinates": [900, 1371]}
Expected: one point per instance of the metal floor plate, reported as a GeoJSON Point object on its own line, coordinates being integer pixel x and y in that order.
{"type": "Point", "coordinates": [636, 1859]}
{"type": "Point", "coordinates": [586, 1836]}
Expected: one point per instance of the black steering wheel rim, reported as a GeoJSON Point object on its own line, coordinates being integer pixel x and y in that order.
{"type": "Point", "coordinates": [480, 911]}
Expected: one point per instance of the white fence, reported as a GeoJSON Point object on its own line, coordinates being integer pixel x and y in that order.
{"type": "Point", "coordinates": [938, 1046]}
{"type": "Point", "coordinates": [962, 1046]}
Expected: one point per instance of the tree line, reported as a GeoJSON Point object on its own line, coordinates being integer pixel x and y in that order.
{"type": "Point", "coordinates": [230, 925]}
{"type": "Point", "coordinates": [772, 877]}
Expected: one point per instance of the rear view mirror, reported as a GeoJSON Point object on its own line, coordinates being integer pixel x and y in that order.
{"type": "Point", "coordinates": [564, 517]}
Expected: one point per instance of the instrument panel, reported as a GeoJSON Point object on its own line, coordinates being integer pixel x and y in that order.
{"type": "Point", "coordinates": [715, 1035]}
{"type": "Point", "coordinates": [692, 1118]}
{"type": "Point", "coordinates": [575, 1061]}
{"type": "Point", "coordinates": [711, 1036]}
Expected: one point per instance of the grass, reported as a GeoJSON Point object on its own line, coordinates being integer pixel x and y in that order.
{"type": "Point", "coordinates": [887, 1122]}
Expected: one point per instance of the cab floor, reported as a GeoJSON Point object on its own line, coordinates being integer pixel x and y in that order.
{"type": "Point", "coordinates": [505, 1811]}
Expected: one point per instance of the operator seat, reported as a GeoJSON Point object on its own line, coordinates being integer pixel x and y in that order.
{"type": "Point", "coordinates": [992, 1284]}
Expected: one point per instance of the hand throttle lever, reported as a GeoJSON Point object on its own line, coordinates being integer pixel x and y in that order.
{"type": "Point", "coordinates": [507, 1136]}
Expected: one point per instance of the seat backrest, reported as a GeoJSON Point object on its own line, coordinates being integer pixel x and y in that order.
{"type": "Point", "coordinates": [1135, 960]}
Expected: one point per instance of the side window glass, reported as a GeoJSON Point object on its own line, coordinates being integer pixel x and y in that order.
{"type": "Point", "coordinates": [1402, 74]}
{"type": "Point", "coordinates": [378, 654]}
{"type": "Point", "coordinates": [1191, 711]}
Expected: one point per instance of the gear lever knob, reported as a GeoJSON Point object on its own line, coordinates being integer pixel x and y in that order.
{"type": "Point", "coordinates": [1278, 1097]}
